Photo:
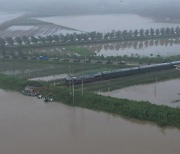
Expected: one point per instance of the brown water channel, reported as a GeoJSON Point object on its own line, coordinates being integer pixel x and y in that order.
{"type": "Point", "coordinates": [161, 93]}
{"type": "Point", "coordinates": [28, 125]}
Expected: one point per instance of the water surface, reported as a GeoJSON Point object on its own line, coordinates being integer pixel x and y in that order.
{"type": "Point", "coordinates": [28, 125]}
{"type": "Point", "coordinates": [146, 48]}
{"type": "Point", "coordinates": [8, 16]}
{"type": "Point", "coordinates": [161, 93]}
{"type": "Point", "coordinates": [106, 23]}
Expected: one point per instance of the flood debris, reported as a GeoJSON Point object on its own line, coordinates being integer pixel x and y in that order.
{"type": "Point", "coordinates": [35, 92]}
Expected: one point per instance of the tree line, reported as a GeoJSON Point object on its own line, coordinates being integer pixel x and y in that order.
{"type": "Point", "coordinates": [91, 37]}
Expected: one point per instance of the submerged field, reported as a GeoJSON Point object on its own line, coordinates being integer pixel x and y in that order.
{"type": "Point", "coordinates": [160, 93]}
{"type": "Point", "coordinates": [106, 22]}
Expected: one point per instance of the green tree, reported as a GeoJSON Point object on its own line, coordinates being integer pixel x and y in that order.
{"type": "Point", "coordinates": [125, 34]}
{"type": "Point", "coordinates": [42, 39]}
{"type": "Point", "coordinates": [172, 31]}
{"type": "Point", "coordinates": [168, 31]}
{"type": "Point", "coordinates": [26, 40]}
{"type": "Point", "coordinates": [49, 38]}
{"type": "Point", "coordinates": [93, 35]}
{"type": "Point", "coordinates": [99, 36]}
{"type": "Point", "coordinates": [152, 32]}
{"type": "Point", "coordinates": [141, 32]}
{"type": "Point", "coordinates": [118, 34]}
{"type": "Point", "coordinates": [2, 42]}
{"type": "Point", "coordinates": [112, 34]}
{"type": "Point", "coordinates": [18, 40]}
{"type": "Point", "coordinates": [107, 36]}
{"type": "Point", "coordinates": [136, 33]}
{"type": "Point", "coordinates": [34, 40]}
{"type": "Point", "coordinates": [162, 31]}
{"type": "Point", "coordinates": [130, 34]}
{"type": "Point", "coordinates": [157, 32]}
{"type": "Point", "coordinates": [147, 32]}
{"type": "Point", "coordinates": [177, 30]}
{"type": "Point", "coordinates": [10, 40]}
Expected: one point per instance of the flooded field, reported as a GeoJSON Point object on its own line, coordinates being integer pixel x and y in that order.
{"type": "Point", "coordinates": [161, 93]}
{"type": "Point", "coordinates": [106, 23]}
{"type": "Point", "coordinates": [8, 16]}
{"type": "Point", "coordinates": [36, 30]}
{"type": "Point", "coordinates": [24, 26]}
{"type": "Point", "coordinates": [147, 48]}
{"type": "Point", "coordinates": [29, 125]}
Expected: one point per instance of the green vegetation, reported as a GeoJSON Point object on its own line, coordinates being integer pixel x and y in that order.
{"type": "Point", "coordinates": [92, 37]}
{"type": "Point", "coordinates": [162, 115]}
{"type": "Point", "coordinates": [15, 84]}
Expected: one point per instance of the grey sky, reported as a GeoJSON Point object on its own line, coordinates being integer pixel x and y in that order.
{"type": "Point", "coordinates": [91, 5]}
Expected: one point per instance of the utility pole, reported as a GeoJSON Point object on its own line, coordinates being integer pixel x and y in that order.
{"type": "Point", "coordinates": [155, 90]}
{"type": "Point", "coordinates": [73, 91]}
{"type": "Point", "coordinates": [85, 59]}
{"type": "Point", "coordinates": [54, 82]}
{"type": "Point", "coordinates": [82, 83]}
{"type": "Point", "coordinates": [69, 70]}
{"type": "Point", "coordinates": [108, 85]}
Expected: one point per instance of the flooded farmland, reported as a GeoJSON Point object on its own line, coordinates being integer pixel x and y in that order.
{"type": "Point", "coordinates": [8, 16]}
{"type": "Point", "coordinates": [147, 48]}
{"type": "Point", "coordinates": [29, 125]}
{"type": "Point", "coordinates": [160, 93]}
{"type": "Point", "coordinates": [106, 23]}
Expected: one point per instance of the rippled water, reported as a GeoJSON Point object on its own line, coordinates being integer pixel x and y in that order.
{"type": "Point", "coordinates": [29, 125]}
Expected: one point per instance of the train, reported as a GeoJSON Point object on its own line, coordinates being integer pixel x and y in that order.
{"type": "Point", "coordinates": [119, 73]}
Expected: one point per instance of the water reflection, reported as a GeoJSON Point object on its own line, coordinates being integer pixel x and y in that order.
{"type": "Point", "coordinates": [151, 48]}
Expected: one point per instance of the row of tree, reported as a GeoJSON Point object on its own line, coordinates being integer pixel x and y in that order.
{"type": "Point", "coordinates": [91, 36]}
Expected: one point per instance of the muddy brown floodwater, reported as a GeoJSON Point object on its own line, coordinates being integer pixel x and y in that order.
{"type": "Point", "coordinates": [160, 93]}
{"type": "Point", "coordinates": [29, 126]}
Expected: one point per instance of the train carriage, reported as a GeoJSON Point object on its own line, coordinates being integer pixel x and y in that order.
{"type": "Point", "coordinates": [119, 73]}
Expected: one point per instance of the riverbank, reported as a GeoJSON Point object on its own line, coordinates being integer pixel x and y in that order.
{"type": "Point", "coordinates": [162, 115]}
{"type": "Point", "coordinates": [16, 84]}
